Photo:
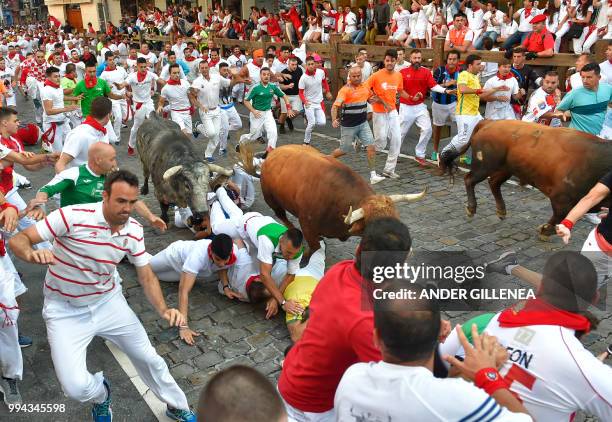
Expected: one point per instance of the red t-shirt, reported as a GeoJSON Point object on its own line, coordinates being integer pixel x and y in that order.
{"type": "Point", "coordinates": [339, 334]}
{"type": "Point", "coordinates": [539, 42]}
{"type": "Point", "coordinates": [6, 175]}
{"type": "Point", "coordinates": [415, 81]}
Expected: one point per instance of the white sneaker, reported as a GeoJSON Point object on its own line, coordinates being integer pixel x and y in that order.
{"type": "Point", "coordinates": [592, 217]}
{"type": "Point", "coordinates": [374, 179]}
{"type": "Point", "coordinates": [391, 174]}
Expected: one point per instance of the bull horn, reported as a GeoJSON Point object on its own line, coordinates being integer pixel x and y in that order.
{"type": "Point", "coordinates": [347, 217]}
{"type": "Point", "coordinates": [408, 198]}
{"type": "Point", "coordinates": [220, 170]}
{"type": "Point", "coordinates": [172, 171]}
{"type": "Point", "coordinates": [353, 216]}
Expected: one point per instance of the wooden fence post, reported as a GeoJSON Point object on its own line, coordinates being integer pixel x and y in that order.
{"type": "Point", "coordinates": [600, 50]}
{"type": "Point", "coordinates": [438, 52]}
{"type": "Point", "coordinates": [336, 62]}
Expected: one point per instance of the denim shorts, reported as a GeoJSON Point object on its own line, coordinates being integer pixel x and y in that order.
{"type": "Point", "coordinates": [361, 132]}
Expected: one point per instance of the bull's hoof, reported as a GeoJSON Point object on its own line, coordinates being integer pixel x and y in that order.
{"type": "Point", "coordinates": [545, 231]}
{"type": "Point", "coordinates": [543, 237]}
{"type": "Point", "coordinates": [470, 211]}
{"type": "Point", "coordinates": [501, 214]}
{"type": "Point", "coordinates": [144, 190]}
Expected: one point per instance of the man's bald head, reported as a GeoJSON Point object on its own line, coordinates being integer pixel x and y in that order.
{"type": "Point", "coordinates": [101, 158]}
{"type": "Point", "coordinates": [355, 75]}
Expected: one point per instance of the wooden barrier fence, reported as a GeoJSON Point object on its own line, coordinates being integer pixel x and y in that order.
{"type": "Point", "coordinates": [339, 54]}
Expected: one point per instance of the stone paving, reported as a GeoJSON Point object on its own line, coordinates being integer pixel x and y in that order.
{"type": "Point", "coordinates": [237, 333]}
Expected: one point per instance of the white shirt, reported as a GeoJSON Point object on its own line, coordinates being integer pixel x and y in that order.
{"type": "Point", "coordinates": [242, 273]}
{"type": "Point", "coordinates": [79, 140]}
{"type": "Point", "coordinates": [606, 70]}
{"type": "Point", "coordinates": [208, 89]}
{"type": "Point", "coordinates": [475, 18]}
{"type": "Point", "coordinates": [564, 376]}
{"type": "Point", "coordinates": [196, 260]}
{"type": "Point", "coordinates": [312, 86]}
{"type": "Point", "coordinates": [402, 20]}
{"type": "Point", "coordinates": [565, 4]}
{"type": "Point", "coordinates": [237, 61]}
{"type": "Point", "coordinates": [178, 50]}
{"type": "Point", "coordinates": [6, 77]}
{"type": "Point", "coordinates": [399, 67]}
{"type": "Point", "coordinates": [380, 391]}
{"type": "Point", "coordinates": [278, 66]}
{"type": "Point", "coordinates": [488, 17]}
{"type": "Point", "coordinates": [501, 110]}
{"type": "Point", "coordinates": [524, 19]}
{"type": "Point", "coordinates": [177, 96]}
{"type": "Point", "coordinates": [508, 29]}
{"type": "Point", "coordinates": [539, 104]}
{"type": "Point", "coordinates": [254, 75]}
{"type": "Point", "coordinates": [118, 75]}
{"type": "Point", "coordinates": [83, 240]}
{"type": "Point", "coordinates": [350, 23]}
{"type": "Point", "coordinates": [56, 96]}
{"type": "Point", "coordinates": [265, 248]}
{"type": "Point", "coordinates": [151, 57]}
{"type": "Point", "coordinates": [141, 91]}
{"type": "Point", "coordinates": [131, 65]}
{"type": "Point", "coordinates": [165, 72]}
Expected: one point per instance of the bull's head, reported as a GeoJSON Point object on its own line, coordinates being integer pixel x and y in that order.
{"type": "Point", "coordinates": [376, 206]}
{"type": "Point", "coordinates": [189, 184]}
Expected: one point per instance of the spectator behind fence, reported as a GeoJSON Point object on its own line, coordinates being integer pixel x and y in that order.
{"type": "Point", "coordinates": [539, 42]}
{"type": "Point", "coordinates": [459, 37]}
{"type": "Point", "coordinates": [493, 19]}
{"type": "Point", "coordinates": [240, 394]}
{"type": "Point", "coordinates": [403, 387]}
{"type": "Point", "coordinates": [587, 105]}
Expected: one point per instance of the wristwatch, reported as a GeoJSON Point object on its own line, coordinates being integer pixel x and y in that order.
{"type": "Point", "coordinates": [226, 287]}
{"type": "Point", "coordinates": [283, 302]}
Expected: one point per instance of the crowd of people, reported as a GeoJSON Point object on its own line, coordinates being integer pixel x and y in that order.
{"type": "Point", "coordinates": [390, 360]}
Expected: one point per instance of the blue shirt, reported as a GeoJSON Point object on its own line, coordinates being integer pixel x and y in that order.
{"type": "Point", "coordinates": [441, 75]}
{"type": "Point", "coordinates": [100, 68]}
{"type": "Point", "coordinates": [588, 107]}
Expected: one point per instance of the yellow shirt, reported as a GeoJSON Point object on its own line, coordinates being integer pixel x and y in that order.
{"type": "Point", "coordinates": [467, 104]}
{"type": "Point", "coordinates": [300, 290]}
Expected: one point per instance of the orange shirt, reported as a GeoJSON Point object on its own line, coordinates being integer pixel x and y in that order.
{"type": "Point", "coordinates": [385, 85]}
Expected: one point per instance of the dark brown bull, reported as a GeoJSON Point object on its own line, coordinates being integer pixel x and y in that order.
{"type": "Point", "coordinates": [564, 164]}
{"type": "Point", "coordinates": [328, 197]}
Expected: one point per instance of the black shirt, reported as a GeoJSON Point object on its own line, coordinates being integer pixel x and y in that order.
{"type": "Point", "coordinates": [526, 78]}
{"type": "Point", "coordinates": [295, 79]}
{"type": "Point", "coordinates": [605, 227]}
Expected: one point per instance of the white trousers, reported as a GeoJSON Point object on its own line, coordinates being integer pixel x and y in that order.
{"type": "Point", "coordinates": [139, 117]}
{"type": "Point", "coordinates": [600, 260]}
{"type": "Point", "coordinates": [33, 90]}
{"type": "Point", "coordinates": [314, 116]}
{"type": "Point", "coordinates": [465, 127]}
{"type": "Point", "coordinates": [71, 329]}
{"type": "Point", "coordinates": [238, 92]}
{"type": "Point", "coordinates": [120, 112]}
{"type": "Point", "coordinates": [410, 114]}
{"type": "Point", "coordinates": [75, 117]}
{"type": "Point", "coordinates": [387, 128]}
{"type": "Point", "coordinates": [12, 100]}
{"type": "Point", "coordinates": [210, 128]}
{"type": "Point", "coordinates": [258, 125]}
{"type": "Point", "coordinates": [579, 42]}
{"type": "Point", "coordinates": [230, 120]}
{"type": "Point", "coordinates": [219, 223]}
{"type": "Point", "coordinates": [183, 119]}
{"type": "Point", "coordinates": [296, 415]}
{"type": "Point", "coordinates": [56, 138]}
{"type": "Point", "coordinates": [11, 361]}
{"type": "Point", "coordinates": [560, 33]}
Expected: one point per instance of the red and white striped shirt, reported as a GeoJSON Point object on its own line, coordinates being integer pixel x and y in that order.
{"type": "Point", "coordinates": [87, 253]}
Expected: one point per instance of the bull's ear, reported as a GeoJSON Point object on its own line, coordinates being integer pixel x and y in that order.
{"type": "Point", "coordinates": [171, 172]}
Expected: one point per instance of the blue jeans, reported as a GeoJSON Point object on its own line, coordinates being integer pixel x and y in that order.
{"type": "Point", "coordinates": [490, 34]}
{"type": "Point", "coordinates": [358, 36]}
{"type": "Point", "coordinates": [516, 38]}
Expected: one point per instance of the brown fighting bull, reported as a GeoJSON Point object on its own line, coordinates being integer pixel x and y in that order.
{"type": "Point", "coordinates": [328, 197]}
{"type": "Point", "coordinates": [564, 164]}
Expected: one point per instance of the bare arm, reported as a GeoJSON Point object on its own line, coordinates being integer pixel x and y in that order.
{"type": "Point", "coordinates": [186, 283]}
{"type": "Point", "coordinates": [50, 111]}
{"type": "Point", "coordinates": [597, 194]}
{"type": "Point", "coordinates": [153, 292]}
{"type": "Point", "coordinates": [142, 210]}
{"type": "Point", "coordinates": [63, 161]}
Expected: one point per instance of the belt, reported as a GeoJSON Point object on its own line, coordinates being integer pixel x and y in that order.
{"type": "Point", "coordinates": [182, 109]}
{"type": "Point", "coordinates": [247, 220]}
{"type": "Point", "coordinates": [226, 106]}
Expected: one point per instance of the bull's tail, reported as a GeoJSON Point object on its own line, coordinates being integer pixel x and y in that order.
{"type": "Point", "coordinates": [245, 158]}
{"type": "Point", "coordinates": [450, 154]}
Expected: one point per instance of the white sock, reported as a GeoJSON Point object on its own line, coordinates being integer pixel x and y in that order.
{"type": "Point", "coordinates": [372, 173]}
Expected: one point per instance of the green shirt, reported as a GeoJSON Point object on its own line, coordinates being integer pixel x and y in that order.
{"type": "Point", "coordinates": [100, 90]}
{"type": "Point", "coordinates": [261, 96]}
{"type": "Point", "coordinates": [67, 83]}
{"type": "Point", "coordinates": [77, 185]}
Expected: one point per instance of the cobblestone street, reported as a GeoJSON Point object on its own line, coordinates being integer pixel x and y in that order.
{"type": "Point", "coordinates": [238, 333]}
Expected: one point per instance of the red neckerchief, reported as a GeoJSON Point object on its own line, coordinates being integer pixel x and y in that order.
{"type": "Point", "coordinates": [231, 260]}
{"type": "Point", "coordinates": [173, 82]}
{"type": "Point", "coordinates": [189, 59]}
{"type": "Point", "coordinates": [311, 74]}
{"type": "Point", "coordinates": [212, 62]}
{"type": "Point", "coordinates": [106, 69]}
{"type": "Point", "coordinates": [11, 55]}
{"type": "Point", "coordinates": [610, 61]}
{"type": "Point", "coordinates": [141, 76]}
{"type": "Point", "coordinates": [550, 100]}
{"type": "Point", "coordinates": [283, 61]}
{"type": "Point", "coordinates": [51, 84]}
{"type": "Point", "coordinates": [527, 12]}
{"type": "Point", "coordinates": [132, 57]}
{"type": "Point", "coordinates": [90, 82]}
{"type": "Point", "coordinates": [505, 78]}
{"type": "Point", "coordinates": [238, 55]}
{"type": "Point", "coordinates": [72, 78]}
{"type": "Point", "coordinates": [538, 312]}
{"type": "Point", "coordinates": [94, 124]}
{"type": "Point", "coordinates": [450, 72]}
